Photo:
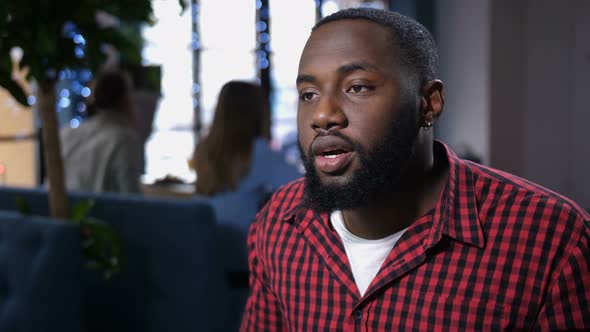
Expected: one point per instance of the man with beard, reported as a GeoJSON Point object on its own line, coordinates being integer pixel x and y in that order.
{"type": "Point", "coordinates": [390, 230]}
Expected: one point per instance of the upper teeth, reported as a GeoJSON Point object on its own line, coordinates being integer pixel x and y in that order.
{"type": "Point", "coordinates": [331, 156]}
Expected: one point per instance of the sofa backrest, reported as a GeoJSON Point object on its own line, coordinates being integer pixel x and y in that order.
{"type": "Point", "coordinates": [171, 279]}
{"type": "Point", "coordinates": [39, 274]}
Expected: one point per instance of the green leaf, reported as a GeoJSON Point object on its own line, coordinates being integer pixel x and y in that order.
{"type": "Point", "coordinates": [36, 26]}
{"type": "Point", "coordinates": [103, 246]}
{"type": "Point", "coordinates": [81, 210]}
{"type": "Point", "coordinates": [23, 207]}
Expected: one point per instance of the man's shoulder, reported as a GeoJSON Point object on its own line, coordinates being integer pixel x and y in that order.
{"type": "Point", "coordinates": [285, 202]}
{"type": "Point", "coordinates": [286, 198]}
{"type": "Point", "coordinates": [509, 190]}
{"type": "Point", "coordinates": [278, 213]}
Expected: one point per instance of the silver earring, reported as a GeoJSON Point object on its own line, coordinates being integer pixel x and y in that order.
{"type": "Point", "coordinates": [428, 125]}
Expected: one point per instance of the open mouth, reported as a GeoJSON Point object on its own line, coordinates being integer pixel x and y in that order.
{"type": "Point", "coordinates": [333, 153]}
{"type": "Point", "coordinates": [333, 161]}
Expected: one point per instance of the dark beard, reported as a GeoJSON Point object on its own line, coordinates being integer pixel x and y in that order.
{"type": "Point", "coordinates": [378, 176]}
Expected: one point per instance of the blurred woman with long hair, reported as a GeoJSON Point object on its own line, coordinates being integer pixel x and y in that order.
{"type": "Point", "coordinates": [226, 159]}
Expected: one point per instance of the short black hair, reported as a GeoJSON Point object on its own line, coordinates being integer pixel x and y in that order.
{"type": "Point", "coordinates": [112, 87]}
{"type": "Point", "coordinates": [416, 47]}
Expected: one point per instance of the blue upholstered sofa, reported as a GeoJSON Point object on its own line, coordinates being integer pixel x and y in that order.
{"type": "Point", "coordinates": [173, 278]}
{"type": "Point", "coordinates": [234, 213]}
{"type": "Point", "coordinates": [39, 274]}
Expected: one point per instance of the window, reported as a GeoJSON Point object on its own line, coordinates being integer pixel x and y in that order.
{"type": "Point", "coordinates": [332, 6]}
{"type": "Point", "coordinates": [290, 26]}
{"type": "Point", "coordinates": [168, 44]}
{"type": "Point", "coordinates": [227, 44]}
{"type": "Point", "coordinates": [228, 49]}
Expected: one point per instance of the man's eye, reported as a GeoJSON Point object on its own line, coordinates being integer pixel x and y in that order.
{"type": "Point", "coordinates": [359, 88]}
{"type": "Point", "coordinates": [356, 88]}
{"type": "Point", "coordinates": [306, 96]}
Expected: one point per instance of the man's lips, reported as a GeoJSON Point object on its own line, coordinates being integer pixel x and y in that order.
{"type": "Point", "coordinates": [333, 164]}
{"type": "Point", "coordinates": [332, 154]}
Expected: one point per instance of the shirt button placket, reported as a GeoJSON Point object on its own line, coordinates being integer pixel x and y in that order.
{"type": "Point", "coordinates": [358, 315]}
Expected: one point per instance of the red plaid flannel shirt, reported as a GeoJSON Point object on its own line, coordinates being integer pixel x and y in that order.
{"type": "Point", "coordinates": [497, 253]}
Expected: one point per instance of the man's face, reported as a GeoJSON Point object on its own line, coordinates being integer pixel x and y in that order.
{"type": "Point", "coordinates": [356, 129]}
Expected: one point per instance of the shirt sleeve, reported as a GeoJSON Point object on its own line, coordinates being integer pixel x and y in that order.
{"type": "Point", "coordinates": [262, 311]}
{"type": "Point", "coordinates": [568, 300]}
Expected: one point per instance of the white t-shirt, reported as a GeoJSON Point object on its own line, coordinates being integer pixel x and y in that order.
{"type": "Point", "coordinates": [365, 256]}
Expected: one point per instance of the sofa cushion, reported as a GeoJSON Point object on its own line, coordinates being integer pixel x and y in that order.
{"type": "Point", "coordinates": [39, 274]}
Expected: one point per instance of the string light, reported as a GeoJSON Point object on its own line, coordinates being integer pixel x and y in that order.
{"type": "Point", "coordinates": [85, 92]}
{"type": "Point", "coordinates": [79, 52]}
{"type": "Point", "coordinates": [79, 39]}
{"type": "Point", "coordinates": [195, 11]}
{"type": "Point", "coordinates": [64, 93]}
{"type": "Point", "coordinates": [75, 123]}
{"type": "Point", "coordinates": [195, 41]}
{"type": "Point", "coordinates": [31, 100]}
{"type": "Point", "coordinates": [263, 40]}
{"type": "Point", "coordinates": [196, 87]}
{"type": "Point", "coordinates": [329, 7]}
{"type": "Point", "coordinates": [260, 26]}
{"type": "Point", "coordinates": [69, 29]}
{"type": "Point", "coordinates": [318, 10]}
{"type": "Point", "coordinates": [64, 102]}
{"type": "Point", "coordinates": [72, 92]}
{"type": "Point", "coordinates": [196, 48]}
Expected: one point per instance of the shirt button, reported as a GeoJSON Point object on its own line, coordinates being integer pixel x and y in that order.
{"type": "Point", "coordinates": [358, 315]}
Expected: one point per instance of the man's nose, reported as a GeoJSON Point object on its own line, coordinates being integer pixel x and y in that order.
{"type": "Point", "coordinates": [328, 115]}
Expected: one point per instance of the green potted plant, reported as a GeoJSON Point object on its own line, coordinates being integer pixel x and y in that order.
{"type": "Point", "coordinates": [58, 35]}
{"type": "Point", "coordinates": [47, 37]}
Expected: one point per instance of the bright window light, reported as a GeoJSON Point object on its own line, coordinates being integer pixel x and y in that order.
{"type": "Point", "coordinates": [168, 45]}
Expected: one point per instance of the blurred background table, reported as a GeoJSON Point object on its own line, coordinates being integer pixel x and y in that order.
{"type": "Point", "coordinates": [172, 190]}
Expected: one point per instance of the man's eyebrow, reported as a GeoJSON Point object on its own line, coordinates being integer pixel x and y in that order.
{"type": "Point", "coordinates": [354, 66]}
{"type": "Point", "coordinates": [305, 78]}
{"type": "Point", "coordinates": [344, 69]}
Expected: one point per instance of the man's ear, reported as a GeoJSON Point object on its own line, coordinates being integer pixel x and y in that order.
{"type": "Point", "coordinates": [433, 100]}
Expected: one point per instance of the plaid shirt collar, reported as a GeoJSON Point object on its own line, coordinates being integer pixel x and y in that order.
{"type": "Point", "coordinates": [456, 214]}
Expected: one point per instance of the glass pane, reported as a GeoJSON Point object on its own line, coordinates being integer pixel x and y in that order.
{"type": "Point", "coordinates": [167, 152]}
{"type": "Point", "coordinates": [332, 6]}
{"type": "Point", "coordinates": [291, 23]}
{"type": "Point", "coordinates": [168, 44]}
{"type": "Point", "coordinates": [228, 41]}
{"type": "Point", "coordinates": [218, 67]}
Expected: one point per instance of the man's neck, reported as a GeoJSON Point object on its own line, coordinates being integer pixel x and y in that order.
{"type": "Point", "coordinates": [418, 193]}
